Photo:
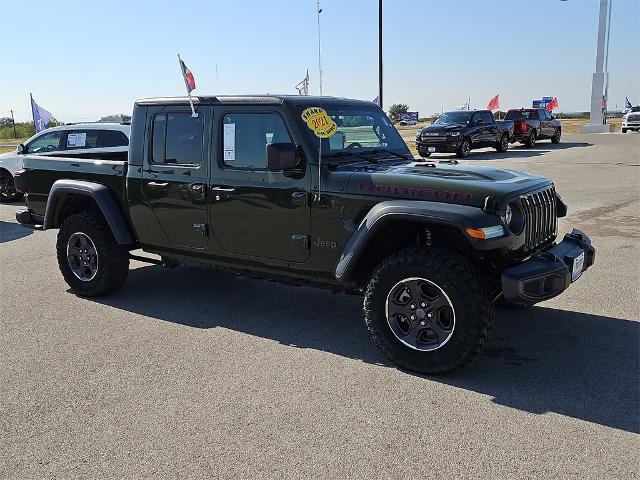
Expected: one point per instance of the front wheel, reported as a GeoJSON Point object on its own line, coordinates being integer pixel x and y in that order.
{"type": "Point", "coordinates": [424, 154]}
{"type": "Point", "coordinates": [91, 261]}
{"type": "Point", "coordinates": [556, 138]}
{"type": "Point", "coordinates": [427, 310]}
{"type": "Point", "coordinates": [465, 148]}
{"type": "Point", "coordinates": [8, 192]}
{"type": "Point", "coordinates": [624, 130]}
{"type": "Point", "coordinates": [503, 144]}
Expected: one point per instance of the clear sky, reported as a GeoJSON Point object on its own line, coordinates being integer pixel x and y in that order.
{"type": "Point", "coordinates": [85, 59]}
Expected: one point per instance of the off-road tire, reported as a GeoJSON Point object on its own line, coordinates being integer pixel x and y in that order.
{"type": "Point", "coordinates": [113, 259]}
{"type": "Point", "coordinates": [556, 138]}
{"type": "Point", "coordinates": [503, 143]}
{"type": "Point", "coordinates": [461, 282]}
{"type": "Point", "coordinates": [8, 193]}
{"type": "Point", "coordinates": [531, 141]}
{"type": "Point", "coordinates": [464, 149]}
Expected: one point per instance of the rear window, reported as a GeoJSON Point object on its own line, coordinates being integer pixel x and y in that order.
{"type": "Point", "coordinates": [177, 139]}
{"type": "Point", "coordinates": [521, 115]}
{"type": "Point", "coordinates": [92, 138]}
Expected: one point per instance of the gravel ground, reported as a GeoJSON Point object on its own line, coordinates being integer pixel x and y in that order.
{"type": "Point", "coordinates": [195, 374]}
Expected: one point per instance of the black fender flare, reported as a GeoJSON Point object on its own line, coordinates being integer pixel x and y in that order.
{"type": "Point", "coordinates": [458, 216]}
{"type": "Point", "coordinates": [103, 197]}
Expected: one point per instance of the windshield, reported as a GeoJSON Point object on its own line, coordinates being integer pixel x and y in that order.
{"type": "Point", "coordinates": [453, 117]}
{"type": "Point", "coordinates": [635, 109]}
{"type": "Point", "coordinates": [359, 130]}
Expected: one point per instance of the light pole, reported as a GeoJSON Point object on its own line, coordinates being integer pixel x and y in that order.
{"type": "Point", "coordinates": [598, 81]}
{"type": "Point", "coordinates": [380, 53]}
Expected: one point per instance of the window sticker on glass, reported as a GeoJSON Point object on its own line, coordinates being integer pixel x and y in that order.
{"type": "Point", "coordinates": [229, 140]}
{"type": "Point", "coordinates": [317, 120]}
{"type": "Point", "coordinates": [81, 139]}
{"type": "Point", "coordinates": [71, 140]}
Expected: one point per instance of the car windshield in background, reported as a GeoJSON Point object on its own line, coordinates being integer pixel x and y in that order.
{"type": "Point", "coordinates": [360, 130]}
{"type": "Point", "coordinates": [521, 115]}
{"type": "Point", "coordinates": [448, 118]}
{"type": "Point", "coordinates": [635, 109]}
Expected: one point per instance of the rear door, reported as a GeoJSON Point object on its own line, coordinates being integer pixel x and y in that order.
{"type": "Point", "coordinates": [256, 212]}
{"type": "Point", "coordinates": [174, 176]}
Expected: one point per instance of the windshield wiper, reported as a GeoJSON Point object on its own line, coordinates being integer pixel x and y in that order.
{"type": "Point", "coordinates": [395, 154]}
{"type": "Point", "coordinates": [349, 154]}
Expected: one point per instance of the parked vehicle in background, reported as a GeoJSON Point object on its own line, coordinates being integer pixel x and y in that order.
{"type": "Point", "coordinates": [77, 140]}
{"type": "Point", "coordinates": [462, 131]}
{"type": "Point", "coordinates": [533, 124]}
{"type": "Point", "coordinates": [408, 121]}
{"type": "Point", "coordinates": [243, 186]}
{"type": "Point", "coordinates": [631, 120]}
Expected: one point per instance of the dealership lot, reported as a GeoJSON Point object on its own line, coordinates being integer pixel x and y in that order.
{"type": "Point", "coordinates": [188, 373]}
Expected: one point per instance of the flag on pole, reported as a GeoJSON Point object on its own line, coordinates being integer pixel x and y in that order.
{"type": "Point", "coordinates": [303, 86]}
{"type": "Point", "coordinates": [553, 104]}
{"type": "Point", "coordinates": [189, 81]}
{"type": "Point", "coordinates": [41, 117]}
{"type": "Point", "coordinates": [494, 103]}
{"type": "Point", "coordinates": [376, 101]}
{"type": "Point", "coordinates": [627, 103]}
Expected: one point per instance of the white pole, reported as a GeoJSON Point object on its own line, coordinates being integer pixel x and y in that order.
{"type": "Point", "coordinates": [319, 55]}
{"type": "Point", "coordinates": [597, 84]}
{"type": "Point", "coordinates": [193, 110]}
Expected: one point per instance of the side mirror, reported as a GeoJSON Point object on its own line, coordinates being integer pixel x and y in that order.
{"type": "Point", "coordinates": [282, 156]}
{"type": "Point", "coordinates": [21, 148]}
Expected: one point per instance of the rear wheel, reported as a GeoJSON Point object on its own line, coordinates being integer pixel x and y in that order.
{"type": "Point", "coordinates": [556, 137]}
{"type": "Point", "coordinates": [91, 261]}
{"type": "Point", "coordinates": [427, 310]}
{"type": "Point", "coordinates": [531, 141]}
{"type": "Point", "coordinates": [503, 144]}
{"type": "Point", "coordinates": [465, 148]}
{"type": "Point", "coordinates": [8, 192]}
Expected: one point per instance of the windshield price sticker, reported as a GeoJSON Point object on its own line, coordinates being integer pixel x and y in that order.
{"type": "Point", "coordinates": [319, 122]}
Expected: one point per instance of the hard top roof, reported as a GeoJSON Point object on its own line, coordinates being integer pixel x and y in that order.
{"type": "Point", "coordinates": [254, 100]}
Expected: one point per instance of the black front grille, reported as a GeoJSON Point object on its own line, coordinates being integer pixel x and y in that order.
{"type": "Point", "coordinates": [541, 219]}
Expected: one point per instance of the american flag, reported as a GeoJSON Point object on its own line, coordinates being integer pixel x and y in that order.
{"type": "Point", "coordinates": [303, 86]}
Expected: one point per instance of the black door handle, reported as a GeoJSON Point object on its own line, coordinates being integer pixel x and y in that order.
{"type": "Point", "coordinates": [158, 185]}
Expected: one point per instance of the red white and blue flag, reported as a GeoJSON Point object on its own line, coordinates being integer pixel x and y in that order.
{"type": "Point", "coordinates": [189, 81]}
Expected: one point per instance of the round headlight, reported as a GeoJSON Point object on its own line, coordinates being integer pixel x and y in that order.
{"type": "Point", "coordinates": [514, 218]}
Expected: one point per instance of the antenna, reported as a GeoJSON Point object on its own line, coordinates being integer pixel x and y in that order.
{"type": "Point", "coordinates": [319, 54]}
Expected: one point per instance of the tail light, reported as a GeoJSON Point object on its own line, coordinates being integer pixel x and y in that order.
{"type": "Point", "coordinates": [523, 125]}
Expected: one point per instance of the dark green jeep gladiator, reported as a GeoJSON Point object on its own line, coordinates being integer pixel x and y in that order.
{"type": "Point", "coordinates": [319, 191]}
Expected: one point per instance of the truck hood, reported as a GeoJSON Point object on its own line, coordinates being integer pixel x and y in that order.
{"type": "Point", "coordinates": [449, 127]}
{"type": "Point", "coordinates": [448, 183]}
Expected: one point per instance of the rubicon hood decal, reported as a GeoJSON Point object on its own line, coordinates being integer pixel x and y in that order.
{"type": "Point", "coordinates": [416, 192]}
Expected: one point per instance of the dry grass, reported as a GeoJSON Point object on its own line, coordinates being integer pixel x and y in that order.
{"type": "Point", "coordinates": [11, 141]}
{"type": "Point", "coordinates": [573, 125]}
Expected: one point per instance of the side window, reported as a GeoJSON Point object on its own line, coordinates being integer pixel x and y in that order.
{"type": "Point", "coordinates": [177, 139]}
{"type": "Point", "coordinates": [112, 138]}
{"type": "Point", "coordinates": [487, 117]}
{"type": "Point", "coordinates": [246, 136]}
{"type": "Point", "coordinates": [81, 139]}
{"type": "Point", "coordinates": [49, 142]}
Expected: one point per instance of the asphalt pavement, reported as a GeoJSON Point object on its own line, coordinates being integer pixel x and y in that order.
{"type": "Point", "coordinates": [197, 374]}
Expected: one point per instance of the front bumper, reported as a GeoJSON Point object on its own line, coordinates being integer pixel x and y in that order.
{"type": "Point", "coordinates": [27, 218]}
{"type": "Point", "coordinates": [548, 273]}
{"type": "Point", "coordinates": [631, 125]}
{"type": "Point", "coordinates": [442, 146]}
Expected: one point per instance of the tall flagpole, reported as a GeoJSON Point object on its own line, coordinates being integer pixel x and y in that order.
{"type": "Point", "coordinates": [193, 110]}
{"type": "Point", "coordinates": [319, 55]}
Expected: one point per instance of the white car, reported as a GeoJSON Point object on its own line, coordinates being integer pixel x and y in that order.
{"type": "Point", "coordinates": [408, 121]}
{"type": "Point", "coordinates": [631, 120]}
{"type": "Point", "coordinates": [79, 139]}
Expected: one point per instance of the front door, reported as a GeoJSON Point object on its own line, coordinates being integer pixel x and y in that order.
{"type": "Point", "coordinates": [256, 212]}
{"type": "Point", "coordinates": [174, 179]}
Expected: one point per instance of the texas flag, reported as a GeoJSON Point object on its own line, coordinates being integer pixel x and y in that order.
{"type": "Point", "coordinates": [494, 103]}
{"type": "Point", "coordinates": [189, 81]}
